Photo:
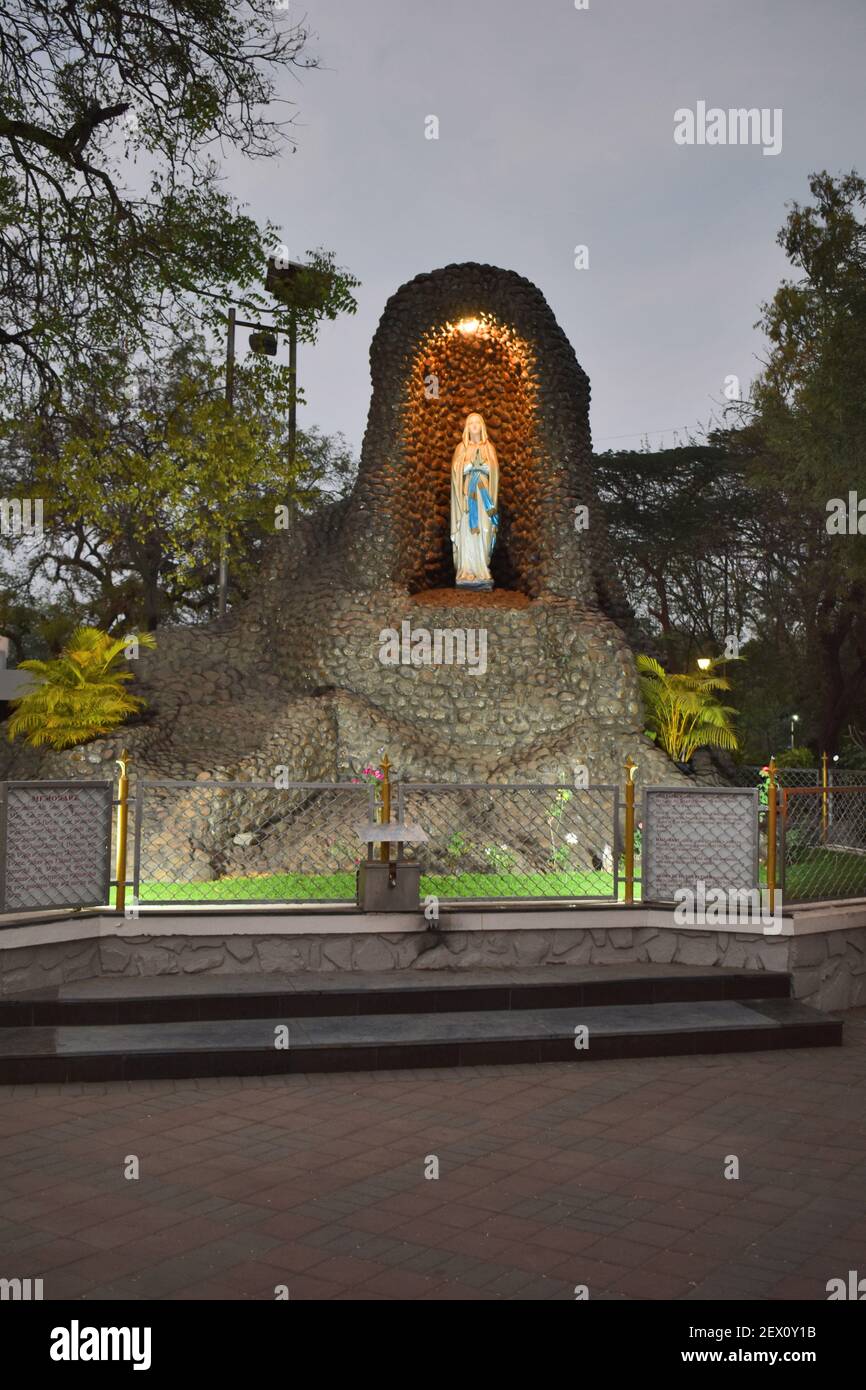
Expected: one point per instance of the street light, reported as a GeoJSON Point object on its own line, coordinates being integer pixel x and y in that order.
{"type": "Point", "coordinates": [263, 341]}
{"type": "Point", "coordinates": [296, 286]}
{"type": "Point", "coordinates": [795, 719]}
{"type": "Point", "coordinates": [704, 663]}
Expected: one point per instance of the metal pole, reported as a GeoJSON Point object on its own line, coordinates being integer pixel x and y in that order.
{"type": "Point", "coordinates": [293, 377]}
{"type": "Point", "coordinates": [230, 402]}
{"type": "Point", "coordinates": [771, 835]}
{"type": "Point", "coordinates": [630, 770]}
{"type": "Point", "coordinates": [230, 361]}
{"type": "Point", "coordinates": [122, 830]}
{"type": "Point", "coordinates": [385, 848]}
{"type": "Point", "coordinates": [825, 800]}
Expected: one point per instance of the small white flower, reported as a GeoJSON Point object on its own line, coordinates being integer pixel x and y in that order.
{"type": "Point", "coordinates": [571, 839]}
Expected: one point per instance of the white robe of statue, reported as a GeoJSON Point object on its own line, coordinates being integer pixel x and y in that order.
{"type": "Point", "coordinates": [474, 496]}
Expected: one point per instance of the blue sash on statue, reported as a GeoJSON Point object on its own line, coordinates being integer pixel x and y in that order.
{"type": "Point", "coordinates": [475, 489]}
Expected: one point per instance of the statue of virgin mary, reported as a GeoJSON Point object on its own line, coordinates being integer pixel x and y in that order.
{"type": "Point", "coordinates": [474, 493]}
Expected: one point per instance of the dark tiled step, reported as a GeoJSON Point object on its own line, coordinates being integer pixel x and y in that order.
{"type": "Point", "coordinates": [353, 1043]}
{"type": "Point", "coordinates": [175, 998]}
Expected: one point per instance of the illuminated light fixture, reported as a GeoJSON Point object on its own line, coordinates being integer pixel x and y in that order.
{"type": "Point", "coordinates": [468, 325]}
{"type": "Point", "coordinates": [704, 663]}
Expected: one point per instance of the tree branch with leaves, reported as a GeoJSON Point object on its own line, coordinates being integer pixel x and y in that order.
{"type": "Point", "coordinates": [113, 221]}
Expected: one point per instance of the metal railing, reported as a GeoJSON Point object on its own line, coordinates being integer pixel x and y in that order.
{"type": "Point", "coordinates": [252, 842]}
{"type": "Point", "coordinates": [518, 841]}
{"type": "Point", "coordinates": [822, 843]}
{"type": "Point", "coordinates": [209, 841]}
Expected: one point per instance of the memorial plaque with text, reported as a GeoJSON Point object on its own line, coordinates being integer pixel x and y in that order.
{"type": "Point", "coordinates": [55, 844]}
{"type": "Point", "coordinates": [697, 835]}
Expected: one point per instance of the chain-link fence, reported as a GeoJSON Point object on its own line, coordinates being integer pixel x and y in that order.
{"type": "Point", "coordinates": [822, 843]}
{"type": "Point", "coordinates": [243, 842]}
{"type": "Point", "coordinates": [237, 842]}
{"type": "Point", "coordinates": [212, 841]}
{"type": "Point", "coordinates": [746, 775]}
{"type": "Point", "coordinates": [520, 841]}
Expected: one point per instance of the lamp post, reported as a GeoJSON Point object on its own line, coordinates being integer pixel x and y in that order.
{"type": "Point", "coordinates": [304, 289]}
{"type": "Point", "coordinates": [264, 341]}
{"type": "Point", "coordinates": [297, 287]}
{"type": "Point", "coordinates": [795, 719]}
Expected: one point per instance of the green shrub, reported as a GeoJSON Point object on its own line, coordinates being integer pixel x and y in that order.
{"type": "Point", "coordinates": [80, 694]}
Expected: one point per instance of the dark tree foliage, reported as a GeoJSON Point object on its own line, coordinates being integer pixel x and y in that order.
{"type": "Point", "coordinates": [145, 474]}
{"type": "Point", "coordinates": [711, 542]}
{"type": "Point", "coordinates": [686, 531]}
{"type": "Point", "coordinates": [806, 430]}
{"type": "Point", "coordinates": [734, 536]}
{"type": "Point", "coordinates": [113, 220]}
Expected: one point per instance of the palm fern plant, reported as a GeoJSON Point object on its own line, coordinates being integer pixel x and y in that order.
{"type": "Point", "coordinates": [80, 694]}
{"type": "Point", "coordinates": [683, 711]}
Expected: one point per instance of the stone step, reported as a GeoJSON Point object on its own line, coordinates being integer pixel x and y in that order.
{"type": "Point", "coordinates": [174, 998]}
{"type": "Point", "coordinates": [235, 1047]}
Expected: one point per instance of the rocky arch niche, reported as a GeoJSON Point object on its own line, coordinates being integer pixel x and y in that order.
{"type": "Point", "coordinates": [473, 364]}
{"type": "Point", "coordinates": [518, 368]}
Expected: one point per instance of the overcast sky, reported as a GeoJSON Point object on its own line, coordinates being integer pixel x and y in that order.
{"type": "Point", "coordinates": [556, 129]}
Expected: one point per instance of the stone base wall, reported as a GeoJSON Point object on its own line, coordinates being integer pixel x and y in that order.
{"type": "Point", "coordinates": [828, 969]}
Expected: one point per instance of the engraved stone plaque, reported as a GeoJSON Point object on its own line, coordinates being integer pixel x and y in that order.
{"type": "Point", "coordinates": [700, 834]}
{"type": "Point", "coordinates": [55, 844]}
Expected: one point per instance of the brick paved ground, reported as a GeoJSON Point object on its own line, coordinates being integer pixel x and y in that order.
{"type": "Point", "coordinates": [608, 1174]}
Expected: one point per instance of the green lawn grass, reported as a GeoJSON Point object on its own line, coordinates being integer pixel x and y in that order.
{"type": "Point", "coordinates": [589, 883]}
{"type": "Point", "coordinates": [340, 887]}
{"type": "Point", "coordinates": [824, 874]}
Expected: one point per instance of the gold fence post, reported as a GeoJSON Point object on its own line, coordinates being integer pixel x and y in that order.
{"type": "Point", "coordinates": [122, 827]}
{"type": "Point", "coordinates": [385, 848]}
{"type": "Point", "coordinates": [771, 835]}
{"type": "Point", "coordinates": [630, 770]}
{"type": "Point", "coordinates": [825, 800]}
